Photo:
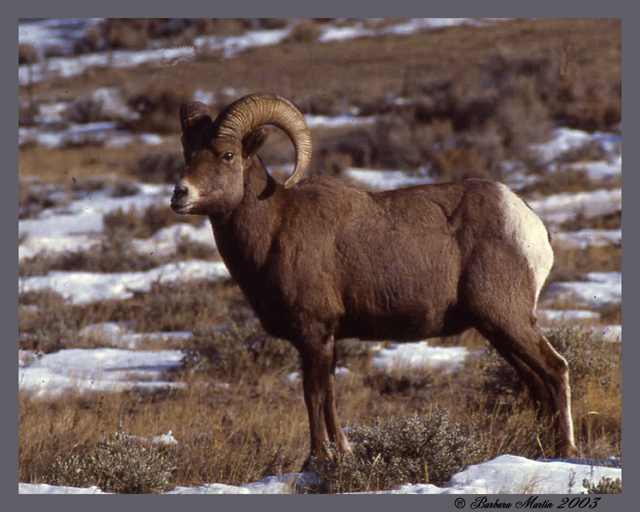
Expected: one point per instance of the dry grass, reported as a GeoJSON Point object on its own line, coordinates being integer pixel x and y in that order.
{"type": "Point", "coordinates": [571, 264]}
{"type": "Point", "coordinates": [62, 165]}
{"type": "Point", "coordinates": [605, 221]}
{"type": "Point", "coordinates": [144, 223]}
{"type": "Point", "coordinates": [220, 442]}
{"type": "Point", "coordinates": [432, 55]}
{"type": "Point", "coordinates": [468, 97]}
{"type": "Point", "coordinates": [304, 32]}
{"type": "Point", "coordinates": [53, 322]}
{"type": "Point", "coordinates": [115, 253]}
{"type": "Point", "coordinates": [159, 167]}
{"type": "Point", "coordinates": [158, 105]}
{"type": "Point", "coordinates": [257, 427]}
{"type": "Point", "coordinates": [27, 54]}
{"type": "Point", "coordinates": [568, 181]}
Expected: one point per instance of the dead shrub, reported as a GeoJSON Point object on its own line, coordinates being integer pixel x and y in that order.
{"type": "Point", "coordinates": [355, 147]}
{"type": "Point", "coordinates": [54, 50]}
{"type": "Point", "coordinates": [419, 449]}
{"type": "Point", "coordinates": [83, 187]}
{"type": "Point", "coordinates": [564, 181]}
{"type": "Point", "coordinates": [582, 106]}
{"type": "Point", "coordinates": [27, 113]}
{"type": "Point", "coordinates": [484, 109]}
{"type": "Point", "coordinates": [274, 23]}
{"type": "Point", "coordinates": [33, 199]}
{"type": "Point", "coordinates": [327, 104]}
{"type": "Point", "coordinates": [187, 306]}
{"type": "Point", "coordinates": [93, 40]}
{"type": "Point", "coordinates": [158, 107]}
{"type": "Point", "coordinates": [221, 26]}
{"type": "Point", "coordinates": [611, 314]}
{"type": "Point", "coordinates": [71, 471]}
{"type": "Point", "coordinates": [354, 353]}
{"type": "Point", "coordinates": [127, 33]}
{"type": "Point", "coordinates": [606, 485]}
{"type": "Point", "coordinates": [590, 151]}
{"type": "Point", "coordinates": [611, 220]}
{"type": "Point", "coordinates": [303, 32]}
{"type": "Point", "coordinates": [167, 28]}
{"type": "Point", "coordinates": [333, 163]}
{"type": "Point", "coordinates": [394, 148]}
{"type": "Point", "coordinates": [400, 382]}
{"type": "Point", "coordinates": [398, 141]}
{"type": "Point", "coordinates": [563, 274]}
{"type": "Point", "coordinates": [523, 103]}
{"type": "Point", "coordinates": [124, 188]}
{"type": "Point", "coordinates": [600, 111]}
{"type": "Point", "coordinates": [145, 223]}
{"type": "Point", "coordinates": [458, 164]}
{"type": "Point", "coordinates": [27, 54]}
{"type": "Point", "coordinates": [368, 104]}
{"type": "Point", "coordinates": [114, 254]}
{"type": "Point", "coordinates": [571, 264]}
{"type": "Point", "coordinates": [159, 167]}
{"type": "Point", "coordinates": [85, 110]}
{"type": "Point", "coordinates": [119, 464]}
{"type": "Point", "coordinates": [239, 350]}
{"type": "Point", "coordinates": [590, 359]}
{"type": "Point", "coordinates": [192, 250]}
{"type": "Point", "coordinates": [52, 327]}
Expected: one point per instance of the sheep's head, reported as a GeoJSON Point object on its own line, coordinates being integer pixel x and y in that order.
{"type": "Point", "coordinates": [218, 153]}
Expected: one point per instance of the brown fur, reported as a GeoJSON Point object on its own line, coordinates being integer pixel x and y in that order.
{"type": "Point", "coordinates": [325, 260]}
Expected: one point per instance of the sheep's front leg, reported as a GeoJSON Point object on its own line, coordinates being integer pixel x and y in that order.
{"type": "Point", "coordinates": [336, 435]}
{"type": "Point", "coordinates": [318, 379]}
{"type": "Point", "coordinates": [316, 368]}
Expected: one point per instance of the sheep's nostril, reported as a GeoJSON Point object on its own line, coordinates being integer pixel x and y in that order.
{"type": "Point", "coordinates": [179, 192]}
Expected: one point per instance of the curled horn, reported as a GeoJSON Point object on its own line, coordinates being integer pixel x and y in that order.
{"type": "Point", "coordinates": [255, 110]}
{"type": "Point", "coordinates": [192, 112]}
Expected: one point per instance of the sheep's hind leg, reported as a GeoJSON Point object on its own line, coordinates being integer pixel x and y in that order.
{"type": "Point", "coordinates": [503, 310]}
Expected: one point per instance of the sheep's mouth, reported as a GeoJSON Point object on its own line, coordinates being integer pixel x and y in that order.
{"type": "Point", "coordinates": [179, 207]}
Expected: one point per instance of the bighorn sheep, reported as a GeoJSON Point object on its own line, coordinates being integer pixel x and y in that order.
{"type": "Point", "coordinates": [320, 259]}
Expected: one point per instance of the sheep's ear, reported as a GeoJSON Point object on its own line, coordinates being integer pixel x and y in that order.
{"type": "Point", "coordinates": [253, 141]}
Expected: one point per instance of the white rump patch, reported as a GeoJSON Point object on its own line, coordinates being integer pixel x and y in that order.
{"type": "Point", "coordinates": [526, 229]}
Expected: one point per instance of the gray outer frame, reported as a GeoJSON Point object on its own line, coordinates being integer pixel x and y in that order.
{"type": "Point", "coordinates": [288, 8]}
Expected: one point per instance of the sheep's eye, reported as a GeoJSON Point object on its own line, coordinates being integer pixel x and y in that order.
{"type": "Point", "coordinates": [227, 157]}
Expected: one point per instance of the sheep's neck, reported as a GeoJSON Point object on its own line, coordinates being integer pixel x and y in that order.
{"type": "Point", "coordinates": [244, 238]}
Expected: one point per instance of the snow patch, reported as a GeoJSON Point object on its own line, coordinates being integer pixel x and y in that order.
{"type": "Point", "coordinates": [386, 180]}
{"type": "Point", "coordinates": [508, 474]}
{"type": "Point", "coordinates": [85, 215]}
{"type": "Point", "coordinates": [314, 121]}
{"type": "Point", "coordinates": [420, 355]}
{"type": "Point", "coordinates": [566, 316]}
{"type": "Point", "coordinates": [587, 238]}
{"type": "Point", "coordinates": [86, 287]}
{"type": "Point", "coordinates": [600, 170]}
{"type": "Point", "coordinates": [565, 139]}
{"type": "Point", "coordinates": [602, 289]}
{"type": "Point", "coordinates": [559, 208]}
{"type": "Point", "coordinates": [98, 370]}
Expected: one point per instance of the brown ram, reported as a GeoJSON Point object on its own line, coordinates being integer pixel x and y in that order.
{"type": "Point", "coordinates": [320, 259]}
